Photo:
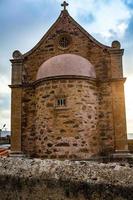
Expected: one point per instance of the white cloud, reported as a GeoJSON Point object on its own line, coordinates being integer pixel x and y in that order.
{"type": "Point", "coordinates": [4, 112]}
{"type": "Point", "coordinates": [5, 118]}
{"type": "Point", "coordinates": [122, 27]}
{"type": "Point", "coordinates": [109, 15]}
{"type": "Point", "coordinates": [4, 89]}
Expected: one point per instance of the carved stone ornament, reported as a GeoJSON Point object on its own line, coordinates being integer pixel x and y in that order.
{"type": "Point", "coordinates": [116, 44]}
{"type": "Point", "coordinates": [17, 54]}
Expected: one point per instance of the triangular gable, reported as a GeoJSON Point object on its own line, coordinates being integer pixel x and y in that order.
{"type": "Point", "coordinates": [64, 14]}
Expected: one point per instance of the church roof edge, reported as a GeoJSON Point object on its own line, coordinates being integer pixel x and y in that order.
{"type": "Point", "coordinates": [65, 12]}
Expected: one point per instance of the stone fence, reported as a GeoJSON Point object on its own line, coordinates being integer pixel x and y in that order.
{"type": "Point", "coordinates": [36, 179]}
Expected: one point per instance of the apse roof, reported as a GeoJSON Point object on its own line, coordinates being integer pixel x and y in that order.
{"type": "Point", "coordinates": [66, 64]}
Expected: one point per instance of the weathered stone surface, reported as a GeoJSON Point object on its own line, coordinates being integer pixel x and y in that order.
{"type": "Point", "coordinates": [61, 126]}
{"type": "Point", "coordinates": [130, 145]}
{"type": "Point", "coordinates": [61, 180]}
{"type": "Point", "coordinates": [93, 121]}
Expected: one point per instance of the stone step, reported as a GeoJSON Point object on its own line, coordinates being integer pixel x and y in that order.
{"type": "Point", "coordinates": [4, 152]}
{"type": "Point", "coordinates": [1, 150]}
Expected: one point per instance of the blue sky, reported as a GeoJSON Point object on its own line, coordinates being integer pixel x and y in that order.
{"type": "Point", "coordinates": [24, 22]}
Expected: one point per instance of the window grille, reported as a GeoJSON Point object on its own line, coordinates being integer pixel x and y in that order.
{"type": "Point", "coordinates": [64, 42]}
{"type": "Point", "coordinates": [61, 102]}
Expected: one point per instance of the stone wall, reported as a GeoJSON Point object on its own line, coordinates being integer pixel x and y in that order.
{"type": "Point", "coordinates": [111, 125]}
{"type": "Point", "coordinates": [16, 119]}
{"type": "Point", "coordinates": [81, 44]}
{"type": "Point", "coordinates": [119, 116]}
{"type": "Point", "coordinates": [28, 120]}
{"type": "Point", "coordinates": [28, 179]}
{"type": "Point", "coordinates": [69, 131]}
{"type": "Point", "coordinates": [83, 128]}
{"type": "Point", "coordinates": [130, 145]}
{"type": "Point", "coordinates": [106, 122]}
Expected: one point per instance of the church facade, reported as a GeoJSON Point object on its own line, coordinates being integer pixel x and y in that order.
{"type": "Point", "coordinates": [68, 95]}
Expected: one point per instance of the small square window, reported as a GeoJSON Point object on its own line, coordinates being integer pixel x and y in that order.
{"type": "Point", "coordinates": [61, 102]}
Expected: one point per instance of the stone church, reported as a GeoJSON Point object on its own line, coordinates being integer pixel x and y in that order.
{"type": "Point", "coordinates": [68, 95]}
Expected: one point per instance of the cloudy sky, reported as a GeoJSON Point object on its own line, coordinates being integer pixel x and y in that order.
{"type": "Point", "coordinates": [24, 22]}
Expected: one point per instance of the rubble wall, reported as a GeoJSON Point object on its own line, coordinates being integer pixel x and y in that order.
{"type": "Point", "coordinates": [33, 179]}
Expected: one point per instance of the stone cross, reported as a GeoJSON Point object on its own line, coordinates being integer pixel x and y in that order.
{"type": "Point", "coordinates": [64, 4]}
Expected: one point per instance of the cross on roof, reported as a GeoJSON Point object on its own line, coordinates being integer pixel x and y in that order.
{"type": "Point", "coordinates": [64, 4]}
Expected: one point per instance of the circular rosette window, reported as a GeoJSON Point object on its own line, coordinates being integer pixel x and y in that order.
{"type": "Point", "coordinates": [64, 41]}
